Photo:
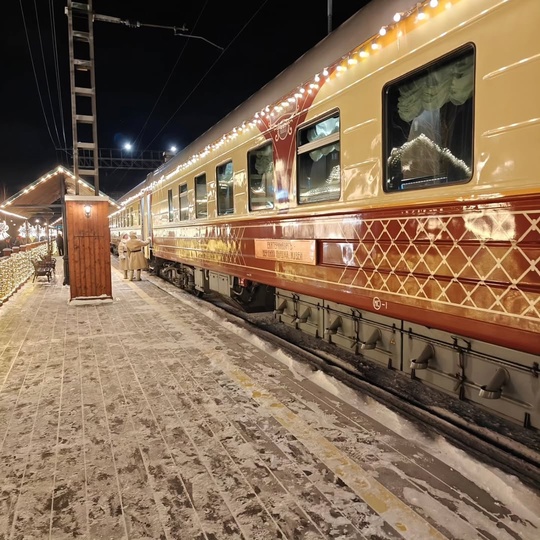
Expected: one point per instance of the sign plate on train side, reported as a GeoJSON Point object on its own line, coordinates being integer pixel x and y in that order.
{"type": "Point", "coordinates": [300, 251]}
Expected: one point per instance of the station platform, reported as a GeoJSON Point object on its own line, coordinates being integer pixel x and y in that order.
{"type": "Point", "coordinates": [154, 417]}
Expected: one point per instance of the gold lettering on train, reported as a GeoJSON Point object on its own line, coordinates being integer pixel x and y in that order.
{"type": "Point", "coordinates": [301, 251]}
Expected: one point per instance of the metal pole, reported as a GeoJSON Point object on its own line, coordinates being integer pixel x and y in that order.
{"type": "Point", "coordinates": [329, 10]}
{"type": "Point", "coordinates": [65, 231]}
{"type": "Point", "coordinates": [74, 135]}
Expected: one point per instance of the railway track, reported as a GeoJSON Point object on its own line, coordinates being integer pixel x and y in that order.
{"type": "Point", "coordinates": [510, 447]}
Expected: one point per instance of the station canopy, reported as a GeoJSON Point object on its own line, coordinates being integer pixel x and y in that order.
{"type": "Point", "coordinates": [42, 199]}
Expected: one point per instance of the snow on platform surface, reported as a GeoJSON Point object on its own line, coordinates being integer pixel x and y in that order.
{"type": "Point", "coordinates": [149, 417]}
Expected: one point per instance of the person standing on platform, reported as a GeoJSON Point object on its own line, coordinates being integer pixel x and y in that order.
{"type": "Point", "coordinates": [123, 255]}
{"type": "Point", "coordinates": [137, 260]}
{"type": "Point", "coordinates": [60, 244]}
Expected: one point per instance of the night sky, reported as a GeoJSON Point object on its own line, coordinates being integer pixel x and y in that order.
{"type": "Point", "coordinates": [153, 88]}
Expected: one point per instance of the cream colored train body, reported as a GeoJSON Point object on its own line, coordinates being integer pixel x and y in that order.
{"type": "Point", "coordinates": [383, 192]}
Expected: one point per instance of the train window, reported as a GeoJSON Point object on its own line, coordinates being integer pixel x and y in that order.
{"type": "Point", "coordinates": [171, 204]}
{"type": "Point", "coordinates": [201, 198]}
{"type": "Point", "coordinates": [261, 177]}
{"type": "Point", "coordinates": [429, 125]}
{"type": "Point", "coordinates": [183, 196]}
{"type": "Point", "coordinates": [225, 188]}
{"type": "Point", "coordinates": [318, 163]}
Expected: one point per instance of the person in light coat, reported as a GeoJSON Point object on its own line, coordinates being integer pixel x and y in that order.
{"type": "Point", "coordinates": [137, 260]}
{"type": "Point", "coordinates": [123, 255]}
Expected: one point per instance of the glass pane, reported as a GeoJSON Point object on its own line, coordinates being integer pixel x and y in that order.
{"type": "Point", "coordinates": [319, 175]}
{"type": "Point", "coordinates": [261, 178]}
{"type": "Point", "coordinates": [201, 198]}
{"type": "Point", "coordinates": [318, 131]}
{"type": "Point", "coordinates": [183, 195]}
{"type": "Point", "coordinates": [225, 191]}
{"type": "Point", "coordinates": [171, 204]}
{"type": "Point", "coordinates": [429, 126]}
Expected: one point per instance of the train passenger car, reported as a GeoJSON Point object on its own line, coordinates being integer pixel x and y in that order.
{"type": "Point", "coordinates": [132, 216]}
{"type": "Point", "coordinates": [382, 194]}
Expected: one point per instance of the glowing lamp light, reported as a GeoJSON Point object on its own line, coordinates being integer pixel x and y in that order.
{"type": "Point", "coordinates": [87, 210]}
{"type": "Point", "coordinates": [128, 146]}
{"type": "Point", "coordinates": [173, 148]}
{"type": "Point", "coordinates": [4, 228]}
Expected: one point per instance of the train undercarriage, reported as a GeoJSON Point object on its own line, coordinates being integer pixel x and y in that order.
{"type": "Point", "coordinates": [501, 381]}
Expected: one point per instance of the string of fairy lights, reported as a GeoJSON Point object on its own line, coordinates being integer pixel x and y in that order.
{"type": "Point", "coordinates": [59, 170]}
{"type": "Point", "coordinates": [401, 23]}
{"type": "Point", "coordinates": [27, 230]}
{"type": "Point", "coordinates": [16, 269]}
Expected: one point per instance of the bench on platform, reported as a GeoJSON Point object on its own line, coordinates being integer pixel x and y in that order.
{"type": "Point", "coordinates": [50, 261]}
{"type": "Point", "coordinates": [42, 269]}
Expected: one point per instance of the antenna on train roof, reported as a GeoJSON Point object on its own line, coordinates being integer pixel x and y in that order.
{"type": "Point", "coordinates": [178, 30]}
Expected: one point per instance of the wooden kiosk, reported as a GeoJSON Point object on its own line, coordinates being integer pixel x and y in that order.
{"type": "Point", "coordinates": [87, 233]}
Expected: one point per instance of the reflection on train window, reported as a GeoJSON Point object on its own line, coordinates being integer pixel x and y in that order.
{"type": "Point", "coordinates": [182, 195]}
{"type": "Point", "coordinates": [319, 173]}
{"type": "Point", "coordinates": [261, 177]}
{"type": "Point", "coordinates": [171, 205]}
{"type": "Point", "coordinates": [224, 184]}
{"type": "Point", "coordinates": [429, 125]}
{"type": "Point", "coordinates": [201, 198]}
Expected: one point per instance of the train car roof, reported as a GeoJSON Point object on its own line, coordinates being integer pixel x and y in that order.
{"type": "Point", "coordinates": [360, 27]}
{"type": "Point", "coordinates": [134, 192]}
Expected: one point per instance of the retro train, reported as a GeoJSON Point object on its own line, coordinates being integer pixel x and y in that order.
{"type": "Point", "coordinates": [382, 194]}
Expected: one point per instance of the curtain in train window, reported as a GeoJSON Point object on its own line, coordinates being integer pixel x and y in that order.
{"type": "Point", "coordinates": [170, 202]}
{"type": "Point", "coordinates": [318, 162]}
{"type": "Point", "coordinates": [182, 195]}
{"type": "Point", "coordinates": [429, 125]}
{"type": "Point", "coordinates": [225, 188]}
{"type": "Point", "coordinates": [261, 178]}
{"type": "Point", "coordinates": [201, 198]}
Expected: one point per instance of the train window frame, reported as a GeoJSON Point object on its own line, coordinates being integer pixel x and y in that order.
{"type": "Point", "coordinates": [223, 181]}
{"type": "Point", "coordinates": [261, 191]}
{"type": "Point", "coordinates": [170, 202]}
{"type": "Point", "coordinates": [183, 212]}
{"type": "Point", "coordinates": [201, 200]}
{"type": "Point", "coordinates": [392, 154]}
{"type": "Point", "coordinates": [327, 145]}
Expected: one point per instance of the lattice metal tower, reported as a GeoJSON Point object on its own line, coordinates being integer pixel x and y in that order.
{"type": "Point", "coordinates": [83, 91]}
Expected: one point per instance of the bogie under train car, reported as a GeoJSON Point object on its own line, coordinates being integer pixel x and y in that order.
{"type": "Point", "coordinates": [382, 194]}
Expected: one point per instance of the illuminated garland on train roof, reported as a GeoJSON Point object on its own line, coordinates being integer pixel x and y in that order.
{"type": "Point", "coordinates": [390, 32]}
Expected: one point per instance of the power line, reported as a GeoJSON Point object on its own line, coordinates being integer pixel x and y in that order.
{"type": "Point", "coordinates": [57, 71]}
{"type": "Point", "coordinates": [207, 72]}
{"type": "Point", "coordinates": [178, 31]}
{"type": "Point", "coordinates": [40, 39]}
{"type": "Point", "coordinates": [35, 77]}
